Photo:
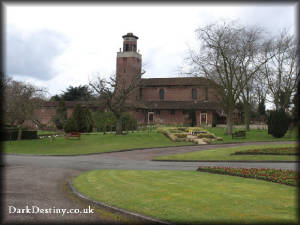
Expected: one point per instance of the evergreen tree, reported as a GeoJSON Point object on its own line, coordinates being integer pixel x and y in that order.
{"type": "Point", "coordinates": [83, 118]}
{"type": "Point", "coordinates": [261, 107]}
{"type": "Point", "coordinates": [278, 123]}
{"type": "Point", "coordinates": [61, 115]}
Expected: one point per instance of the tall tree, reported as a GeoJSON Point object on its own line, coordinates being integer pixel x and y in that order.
{"type": "Point", "coordinates": [230, 56]}
{"type": "Point", "coordinates": [116, 94]}
{"type": "Point", "coordinates": [80, 93]}
{"type": "Point", "coordinates": [282, 71]}
{"type": "Point", "coordinates": [20, 100]}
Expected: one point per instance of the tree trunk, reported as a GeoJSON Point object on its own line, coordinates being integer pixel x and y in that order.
{"type": "Point", "coordinates": [19, 133]}
{"type": "Point", "coordinates": [119, 125]}
{"type": "Point", "coordinates": [247, 116]}
{"type": "Point", "coordinates": [229, 122]}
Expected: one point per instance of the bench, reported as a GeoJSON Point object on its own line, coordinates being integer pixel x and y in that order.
{"type": "Point", "coordinates": [73, 134]}
{"type": "Point", "coordinates": [241, 133]}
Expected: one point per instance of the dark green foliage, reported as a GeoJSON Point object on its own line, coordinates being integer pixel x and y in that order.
{"type": "Point", "coordinates": [12, 134]}
{"type": "Point", "coordinates": [104, 121]}
{"type": "Point", "coordinates": [261, 107]}
{"type": "Point", "coordinates": [61, 115]}
{"type": "Point", "coordinates": [296, 107]}
{"type": "Point", "coordinates": [70, 125]}
{"type": "Point", "coordinates": [192, 116]}
{"type": "Point", "coordinates": [128, 122]}
{"type": "Point", "coordinates": [80, 93]}
{"type": "Point", "coordinates": [278, 123]}
{"type": "Point", "coordinates": [83, 118]}
{"type": "Point", "coordinates": [55, 98]}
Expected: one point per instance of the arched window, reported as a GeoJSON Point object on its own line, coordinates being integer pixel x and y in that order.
{"type": "Point", "coordinates": [161, 94]}
{"type": "Point", "coordinates": [194, 93]}
{"type": "Point", "coordinates": [206, 94]}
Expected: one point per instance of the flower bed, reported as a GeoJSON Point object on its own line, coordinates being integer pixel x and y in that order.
{"type": "Point", "coordinates": [288, 177]}
{"type": "Point", "coordinates": [270, 151]}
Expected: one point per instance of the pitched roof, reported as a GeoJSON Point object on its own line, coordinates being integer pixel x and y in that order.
{"type": "Point", "coordinates": [176, 81]}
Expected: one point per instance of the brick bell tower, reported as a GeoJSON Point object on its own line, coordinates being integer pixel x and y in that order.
{"type": "Point", "coordinates": [129, 63]}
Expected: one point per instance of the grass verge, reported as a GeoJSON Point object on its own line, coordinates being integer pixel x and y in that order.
{"type": "Point", "coordinates": [191, 196]}
{"type": "Point", "coordinates": [251, 136]}
{"type": "Point", "coordinates": [90, 143]}
{"type": "Point", "coordinates": [227, 154]}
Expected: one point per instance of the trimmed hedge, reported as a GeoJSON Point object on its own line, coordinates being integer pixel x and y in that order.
{"type": "Point", "coordinates": [206, 135]}
{"type": "Point", "coordinates": [13, 135]}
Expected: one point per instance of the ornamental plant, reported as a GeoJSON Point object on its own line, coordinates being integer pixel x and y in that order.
{"type": "Point", "coordinates": [278, 123]}
{"type": "Point", "coordinates": [288, 177]}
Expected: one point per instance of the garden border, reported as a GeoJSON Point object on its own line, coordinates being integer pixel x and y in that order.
{"type": "Point", "coordinates": [114, 209]}
{"type": "Point", "coordinates": [235, 175]}
{"type": "Point", "coordinates": [237, 161]}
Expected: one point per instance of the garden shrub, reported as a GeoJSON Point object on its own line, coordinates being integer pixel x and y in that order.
{"type": "Point", "coordinates": [12, 134]}
{"type": "Point", "coordinates": [70, 126]}
{"type": "Point", "coordinates": [278, 123]}
{"type": "Point", "coordinates": [29, 134]}
{"type": "Point", "coordinates": [206, 135]}
{"type": "Point", "coordinates": [128, 122]}
{"type": "Point", "coordinates": [104, 121]}
{"type": "Point", "coordinates": [83, 118]}
{"type": "Point", "coordinates": [181, 135]}
{"type": "Point", "coordinates": [60, 116]}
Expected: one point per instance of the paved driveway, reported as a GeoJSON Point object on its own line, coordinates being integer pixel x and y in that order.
{"type": "Point", "coordinates": [40, 180]}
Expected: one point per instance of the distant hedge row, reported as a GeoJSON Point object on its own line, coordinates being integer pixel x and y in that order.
{"type": "Point", "coordinates": [13, 135]}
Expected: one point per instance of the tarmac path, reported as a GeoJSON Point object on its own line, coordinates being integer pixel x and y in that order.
{"type": "Point", "coordinates": [41, 180]}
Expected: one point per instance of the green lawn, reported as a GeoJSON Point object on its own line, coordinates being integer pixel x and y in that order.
{"type": "Point", "coordinates": [90, 143]}
{"type": "Point", "coordinates": [191, 196]}
{"type": "Point", "coordinates": [43, 132]}
{"type": "Point", "coordinates": [225, 154]}
{"type": "Point", "coordinates": [251, 136]}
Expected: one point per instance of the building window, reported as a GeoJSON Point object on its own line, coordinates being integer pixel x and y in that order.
{"type": "Point", "coordinates": [206, 94]}
{"type": "Point", "coordinates": [140, 93]}
{"type": "Point", "coordinates": [172, 112]}
{"type": "Point", "coordinates": [157, 112]}
{"type": "Point", "coordinates": [161, 94]}
{"type": "Point", "coordinates": [126, 47]}
{"type": "Point", "coordinates": [194, 93]}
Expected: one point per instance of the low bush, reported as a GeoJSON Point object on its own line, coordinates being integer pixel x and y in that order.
{"type": "Point", "coordinates": [206, 135]}
{"type": "Point", "coordinates": [70, 126]}
{"type": "Point", "coordinates": [12, 135]}
{"type": "Point", "coordinates": [270, 151]}
{"type": "Point", "coordinates": [288, 177]}
{"type": "Point", "coordinates": [181, 135]}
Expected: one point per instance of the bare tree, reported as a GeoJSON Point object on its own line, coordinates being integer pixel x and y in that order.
{"type": "Point", "coordinates": [282, 71]}
{"type": "Point", "coordinates": [20, 100]}
{"type": "Point", "coordinates": [230, 56]}
{"type": "Point", "coordinates": [251, 51]}
{"type": "Point", "coordinates": [117, 94]}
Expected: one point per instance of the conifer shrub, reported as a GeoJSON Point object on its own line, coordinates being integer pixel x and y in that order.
{"type": "Point", "coordinates": [83, 118]}
{"type": "Point", "coordinates": [278, 123]}
{"type": "Point", "coordinates": [70, 126]}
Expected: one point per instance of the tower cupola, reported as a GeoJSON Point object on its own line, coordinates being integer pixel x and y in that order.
{"type": "Point", "coordinates": [130, 42]}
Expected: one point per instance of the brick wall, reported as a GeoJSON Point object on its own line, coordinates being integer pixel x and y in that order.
{"type": "Point", "coordinates": [177, 93]}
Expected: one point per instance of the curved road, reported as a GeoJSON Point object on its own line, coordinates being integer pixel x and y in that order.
{"type": "Point", "coordinates": [41, 180]}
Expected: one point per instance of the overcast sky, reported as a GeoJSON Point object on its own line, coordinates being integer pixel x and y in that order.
{"type": "Point", "coordinates": [55, 46]}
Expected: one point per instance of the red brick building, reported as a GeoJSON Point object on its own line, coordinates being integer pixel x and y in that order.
{"type": "Point", "coordinates": [183, 100]}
